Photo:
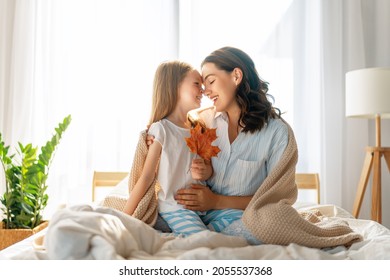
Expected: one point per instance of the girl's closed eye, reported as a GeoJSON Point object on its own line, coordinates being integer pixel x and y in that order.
{"type": "Point", "coordinates": [198, 85]}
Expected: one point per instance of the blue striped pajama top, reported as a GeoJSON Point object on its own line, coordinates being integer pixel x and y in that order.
{"type": "Point", "coordinates": [241, 167]}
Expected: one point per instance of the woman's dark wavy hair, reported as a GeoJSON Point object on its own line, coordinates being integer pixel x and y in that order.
{"type": "Point", "coordinates": [252, 96]}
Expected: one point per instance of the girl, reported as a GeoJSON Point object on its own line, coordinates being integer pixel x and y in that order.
{"type": "Point", "coordinates": [177, 89]}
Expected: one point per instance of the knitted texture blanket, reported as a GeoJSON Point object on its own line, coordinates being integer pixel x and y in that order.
{"type": "Point", "coordinates": [272, 219]}
{"type": "Point", "coordinates": [146, 210]}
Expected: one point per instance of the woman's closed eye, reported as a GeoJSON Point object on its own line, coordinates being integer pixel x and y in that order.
{"type": "Point", "coordinates": [211, 82]}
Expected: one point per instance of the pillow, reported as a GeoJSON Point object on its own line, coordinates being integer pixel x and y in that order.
{"type": "Point", "coordinates": [122, 188]}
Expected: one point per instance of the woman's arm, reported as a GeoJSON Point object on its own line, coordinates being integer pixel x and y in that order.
{"type": "Point", "coordinates": [146, 178]}
{"type": "Point", "coordinates": [201, 198]}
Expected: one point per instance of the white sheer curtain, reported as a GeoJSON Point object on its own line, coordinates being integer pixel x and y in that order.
{"type": "Point", "coordinates": [92, 59]}
{"type": "Point", "coordinates": [326, 39]}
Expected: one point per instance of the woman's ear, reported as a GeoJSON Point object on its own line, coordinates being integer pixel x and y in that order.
{"type": "Point", "coordinates": [237, 75]}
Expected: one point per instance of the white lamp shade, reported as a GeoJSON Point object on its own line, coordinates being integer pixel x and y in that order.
{"type": "Point", "coordinates": [367, 93]}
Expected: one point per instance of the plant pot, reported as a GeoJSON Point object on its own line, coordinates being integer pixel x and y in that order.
{"type": "Point", "coordinates": [12, 236]}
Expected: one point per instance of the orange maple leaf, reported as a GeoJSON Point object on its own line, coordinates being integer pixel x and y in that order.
{"type": "Point", "coordinates": [200, 142]}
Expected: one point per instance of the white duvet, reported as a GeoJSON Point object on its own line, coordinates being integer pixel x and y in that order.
{"type": "Point", "coordinates": [86, 232]}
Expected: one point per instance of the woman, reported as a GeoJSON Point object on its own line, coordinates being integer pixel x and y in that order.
{"type": "Point", "coordinates": [251, 135]}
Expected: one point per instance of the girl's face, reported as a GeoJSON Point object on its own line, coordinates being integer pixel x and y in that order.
{"type": "Point", "coordinates": [220, 87]}
{"type": "Point", "coordinates": [190, 91]}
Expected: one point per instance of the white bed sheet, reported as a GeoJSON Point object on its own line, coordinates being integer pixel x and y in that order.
{"type": "Point", "coordinates": [132, 239]}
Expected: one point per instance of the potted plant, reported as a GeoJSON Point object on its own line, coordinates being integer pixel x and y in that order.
{"type": "Point", "coordinates": [25, 196]}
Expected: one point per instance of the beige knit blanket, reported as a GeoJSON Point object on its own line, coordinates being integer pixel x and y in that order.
{"type": "Point", "coordinates": [270, 215]}
{"type": "Point", "coordinates": [272, 219]}
{"type": "Point", "coordinates": [147, 208]}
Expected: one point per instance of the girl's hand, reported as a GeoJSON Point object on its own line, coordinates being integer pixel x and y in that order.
{"type": "Point", "coordinates": [197, 198]}
{"type": "Point", "coordinates": [201, 169]}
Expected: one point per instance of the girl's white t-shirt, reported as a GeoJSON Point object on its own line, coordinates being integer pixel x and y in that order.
{"type": "Point", "coordinates": [175, 162]}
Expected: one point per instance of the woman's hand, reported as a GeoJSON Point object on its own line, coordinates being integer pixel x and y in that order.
{"type": "Point", "coordinates": [197, 198]}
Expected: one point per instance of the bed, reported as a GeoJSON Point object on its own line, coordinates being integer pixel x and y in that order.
{"type": "Point", "coordinates": [100, 231]}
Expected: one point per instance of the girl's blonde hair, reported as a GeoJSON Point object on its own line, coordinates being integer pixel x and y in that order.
{"type": "Point", "coordinates": [166, 84]}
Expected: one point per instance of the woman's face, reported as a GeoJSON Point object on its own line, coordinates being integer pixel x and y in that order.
{"type": "Point", "coordinates": [220, 87]}
{"type": "Point", "coordinates": [190, 91]}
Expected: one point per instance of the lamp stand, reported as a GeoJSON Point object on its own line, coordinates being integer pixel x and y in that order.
{"type": "Point", "coordinates": [373, 161]}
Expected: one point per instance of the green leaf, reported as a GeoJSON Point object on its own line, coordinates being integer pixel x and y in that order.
{"type": "Point", "coordinates": [27, 208]}
{"type": "Point", "coordinates": [29, 199]}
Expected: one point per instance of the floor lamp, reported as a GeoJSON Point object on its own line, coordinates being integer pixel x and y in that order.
{"type": "Point", "coordinates": [368, 96]}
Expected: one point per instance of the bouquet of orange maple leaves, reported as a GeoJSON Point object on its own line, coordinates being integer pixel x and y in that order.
{"type": "Point", "coordinates": [200, 142]}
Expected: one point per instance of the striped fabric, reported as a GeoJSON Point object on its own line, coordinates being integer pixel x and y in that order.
{"type": "Point", "coordinates": [218, 220]}
{"type": "Point", "coordinates": [241, 167]}
{"type": "Point", "coordinates": [183, 222]}
{"type": "Point", "coordinates": [186, 222]}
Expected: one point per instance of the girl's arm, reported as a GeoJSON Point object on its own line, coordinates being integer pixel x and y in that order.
{"type": "Point", "coordinates": [146, 178]}
{"type": "Point", "coordinates": [201, 198]}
